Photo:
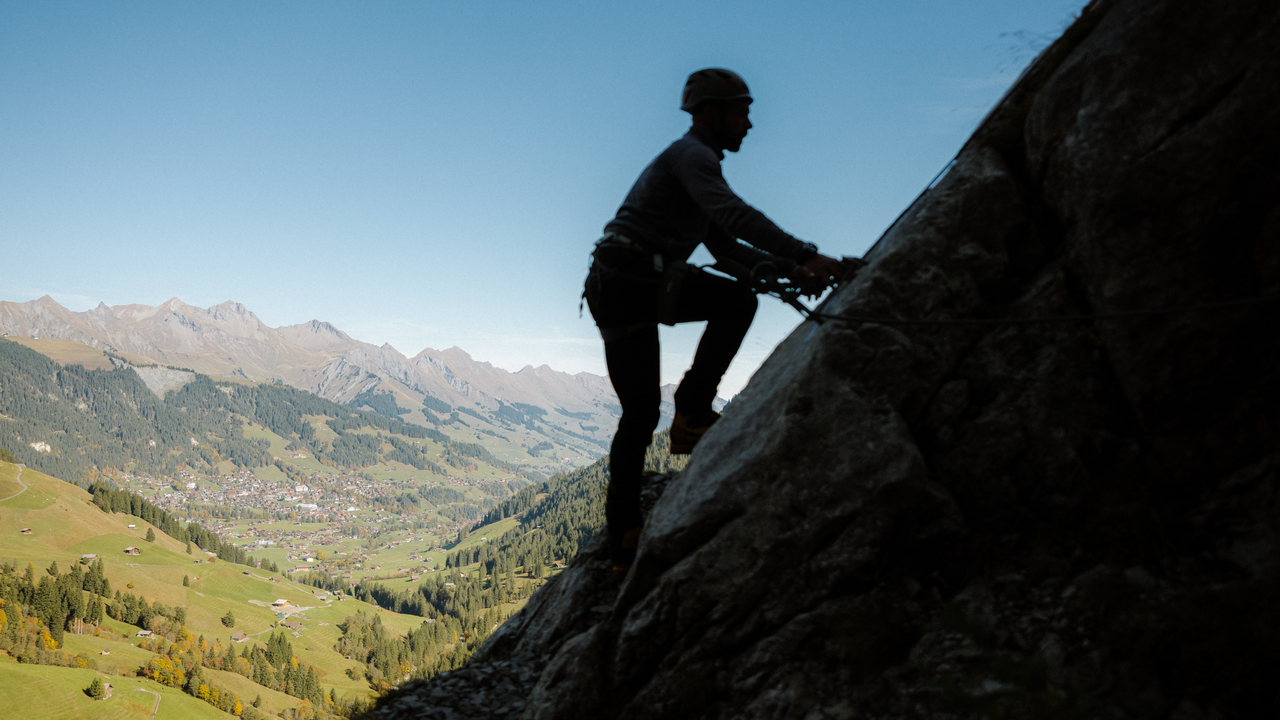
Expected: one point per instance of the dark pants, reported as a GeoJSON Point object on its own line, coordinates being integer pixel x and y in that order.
{"type": "Point", "coordinates": [627, 300]}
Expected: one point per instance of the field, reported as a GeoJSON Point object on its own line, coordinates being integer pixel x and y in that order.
{"type": "Point", "coordinates": [40, 691]}
{"type": "Point", "coordinates": [65, 524]}
{"type": "Point", "coordinates": [74, 353]}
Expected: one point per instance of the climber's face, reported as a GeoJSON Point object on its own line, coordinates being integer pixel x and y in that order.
{"type": "Point", "coordinates": [729, 121]}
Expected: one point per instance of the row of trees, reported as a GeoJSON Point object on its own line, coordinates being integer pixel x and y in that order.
{"type": "Point", "coordinates": [124, 501]}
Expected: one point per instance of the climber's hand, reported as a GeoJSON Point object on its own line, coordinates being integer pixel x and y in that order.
{"type": "Point", "coordinates": [816, 275]}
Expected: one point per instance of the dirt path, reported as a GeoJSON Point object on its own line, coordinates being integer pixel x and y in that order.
{"type": "Point", "coordinates": [156, 708]}
{"type": "Point", "coordinates": [19, 479]}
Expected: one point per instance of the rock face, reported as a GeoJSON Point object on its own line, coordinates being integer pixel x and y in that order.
{"type": "Point", "coordinates": [1049, 519]}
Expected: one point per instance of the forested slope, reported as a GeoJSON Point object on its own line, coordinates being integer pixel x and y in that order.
{"type": "Point", "coordinates": [86, 422]}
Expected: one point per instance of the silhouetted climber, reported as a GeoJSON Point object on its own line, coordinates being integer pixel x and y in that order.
{"type": "Point", "coordinates": [639, 278]}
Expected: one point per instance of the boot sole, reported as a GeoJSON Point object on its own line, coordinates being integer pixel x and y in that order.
{"type": "Point", "coordinates": [681, 449]}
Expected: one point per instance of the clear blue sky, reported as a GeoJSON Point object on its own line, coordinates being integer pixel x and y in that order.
{"type": "Point", "coordinates": [432, 174]}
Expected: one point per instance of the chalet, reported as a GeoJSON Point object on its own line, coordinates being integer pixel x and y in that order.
{"type": "Point", "coordinates": [26, 531]}
{"type": "Point", "coordinates": [88, 557]}
{"type": "Point", "coordinates": [132, 525]}
{"type": "Point", "coordinates": [246, 572]}
{"type": "Point", "coordinates": [144, 634]}
{"type": "Point", "coordinates": [105, 652]}
{"type": "Point", "coordinates": [132, 551]}
{"type": "Point", "coordinates": [239, 637]}
{"type": "Point", "coordinates": [292, 625]}
{"type": "Point", "coordinates": [275, 578]}
{"type": "Point", "coordinates": [279, 603]}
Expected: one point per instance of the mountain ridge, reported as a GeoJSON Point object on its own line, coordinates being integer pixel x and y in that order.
{"type": "Point", "coordinates": [228, 340]}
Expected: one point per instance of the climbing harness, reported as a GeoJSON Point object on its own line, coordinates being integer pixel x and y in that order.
{"type": "Point", "coordinates": [633, 264]}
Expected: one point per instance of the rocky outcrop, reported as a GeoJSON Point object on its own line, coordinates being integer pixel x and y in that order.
{"type": "Point", "coordinates": [1068, 518]}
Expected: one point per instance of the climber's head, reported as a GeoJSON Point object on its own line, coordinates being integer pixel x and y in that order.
{"type": "Point", "coordinates": [719, 102]}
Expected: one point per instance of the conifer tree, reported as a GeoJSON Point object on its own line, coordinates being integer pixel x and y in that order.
{"type": "Point", "coordinates": [95, 689]}
{"type": "Point", "coordinates": [151, 535]}
{"type": "Point", "coordinates": [186, 581]}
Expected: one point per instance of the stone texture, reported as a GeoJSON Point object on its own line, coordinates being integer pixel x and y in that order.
{"type": "Point", "coordinates": [1062, 519]}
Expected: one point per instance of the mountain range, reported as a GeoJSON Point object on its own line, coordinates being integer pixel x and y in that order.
{"type": "Point", "coordinates": [229, 340]}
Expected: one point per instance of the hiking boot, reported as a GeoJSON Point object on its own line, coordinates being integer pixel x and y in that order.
{"type": "Point", "coordinates": [624, 553]}
{"type": "Point", "coordinates": [687, 430]}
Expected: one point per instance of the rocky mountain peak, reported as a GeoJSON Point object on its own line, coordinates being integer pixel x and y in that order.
{"type": "Point", "coordinates": [1032, 472]}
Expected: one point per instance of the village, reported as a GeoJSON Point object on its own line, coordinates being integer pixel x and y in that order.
{"type": "Point", "coordinates": [335, 524]}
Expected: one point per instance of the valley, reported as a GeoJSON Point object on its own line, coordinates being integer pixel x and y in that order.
{"type": "Point", "coordinates": [254, 549]}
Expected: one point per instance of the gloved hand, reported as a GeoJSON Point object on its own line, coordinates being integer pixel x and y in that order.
{"type": "Point", "coordinates": [816, 275]}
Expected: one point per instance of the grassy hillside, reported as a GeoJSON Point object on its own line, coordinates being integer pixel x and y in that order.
{"type": "Point", "coordinates": [34, 691]}
{"type": "Point", "coordinates": [65, 524]}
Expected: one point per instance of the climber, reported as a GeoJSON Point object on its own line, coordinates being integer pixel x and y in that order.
{"type": "Point", "coordinates": [639, 278]}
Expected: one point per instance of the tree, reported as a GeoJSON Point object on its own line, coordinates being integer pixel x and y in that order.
{"type": "Point", "coordinates": [53, 568]}
{"type": "Point", "coordinates": [186, 581]}
{"type": "Point", "coordinates": [257, 702]}
{"type": "Point", "coordinates": [151, 535]}
{"type": "Point", "coordinates": [229, 620]}
{"type": "Point", "coordinates": [95, 689]}
{"type": "Point", "coordinates": [188, 547]}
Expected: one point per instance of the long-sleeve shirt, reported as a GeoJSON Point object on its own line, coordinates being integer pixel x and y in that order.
{"type": "Point", "coordinates": [681, 199]}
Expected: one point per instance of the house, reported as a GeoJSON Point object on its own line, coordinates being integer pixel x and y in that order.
{"type": "Point", "coordinates": [275, 578]}
{"type": "Point", "coordinates": [132, 525]}
{"type": "Point", "coordinates": [239, 637]}
{"type": "Point", "coordinates": [279, 603]}
{"type": "Point", "coordinates": [292, 625]}
{"type": "Point", "coordinates": [246, 572]}
{"type": "Point", "coordinates": [144, 634]}
{"type": "Point", "coordinates": [26, 531]}
{"type": "Point", "coordinates": [132, 551]}
{"type": "Point", "coordinates": [88, 557]}
{"type": "Point", "coordinates": [105, 652]}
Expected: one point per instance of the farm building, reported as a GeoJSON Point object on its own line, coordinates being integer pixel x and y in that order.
{"type": "Point", "coordinates": [239, 637]}
{"type": "Point", "coordinates": [279, 603]}
{"type": "Point", "coordinates": [132, 551]}
{"type": "Point", "coordinates": [26, 531]}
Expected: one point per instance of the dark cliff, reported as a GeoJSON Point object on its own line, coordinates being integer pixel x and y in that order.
{"type": "Point", "coordinates": [1074, 518]}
